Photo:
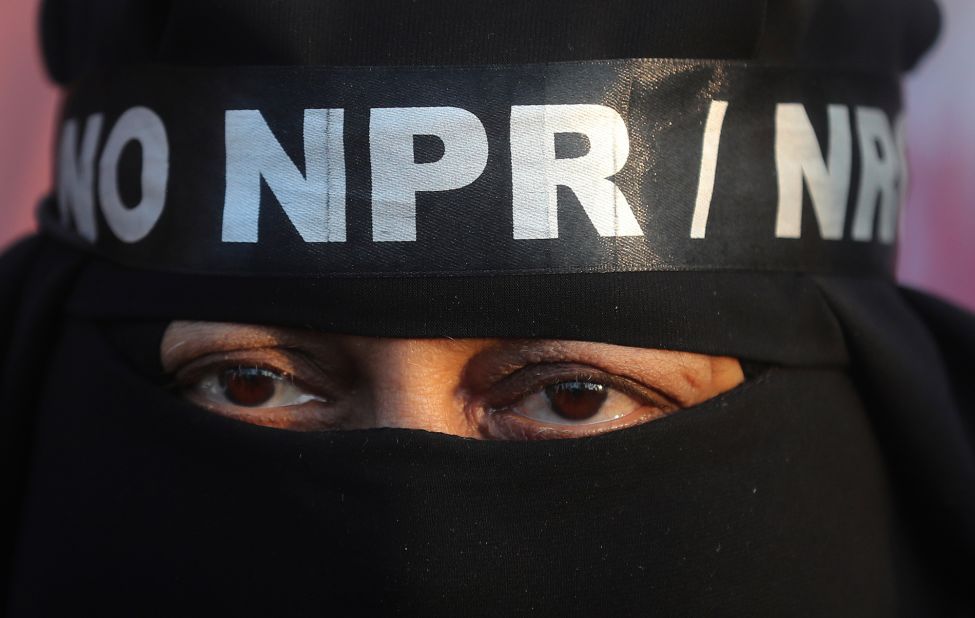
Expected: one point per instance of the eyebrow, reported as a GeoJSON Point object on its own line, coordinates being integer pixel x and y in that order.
{"type": "Point", "coordinates": [647, 365]}
{"type": "Point", "coordinates": [199, 337]}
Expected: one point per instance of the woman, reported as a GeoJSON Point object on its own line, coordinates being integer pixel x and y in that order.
{"type": "Point", "coordinates": [481, 309]}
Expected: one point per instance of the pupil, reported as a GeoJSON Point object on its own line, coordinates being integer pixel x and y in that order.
{"type": "Point", "coordinates": [576, 401]}
{"type": "Point", "coordinates": [247, 387]}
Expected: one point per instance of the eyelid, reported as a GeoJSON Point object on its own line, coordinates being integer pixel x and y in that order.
{"type": "Point", "coordinates": [290, 364]}
{"type": "Point", "coordinates": [532, 378]}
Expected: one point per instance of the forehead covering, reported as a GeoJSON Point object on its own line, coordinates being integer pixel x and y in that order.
{"type": "Point", "coordinates": [884, 35]}
{"type": "Point", "coordinates": [474, 185]}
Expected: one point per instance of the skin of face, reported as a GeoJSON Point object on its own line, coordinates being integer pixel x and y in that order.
{"type": "Point", "coordinates": [513, 389]}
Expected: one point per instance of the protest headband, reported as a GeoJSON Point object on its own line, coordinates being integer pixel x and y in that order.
{"type": "Point", "coordinates": [576, 167]}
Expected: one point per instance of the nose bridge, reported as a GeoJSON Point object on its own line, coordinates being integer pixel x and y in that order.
{"type": "Point", "coordinates": [415, 387]}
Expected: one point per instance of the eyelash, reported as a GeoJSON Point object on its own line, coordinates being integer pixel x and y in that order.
{"type": "Point", "coordinates": [497, 417]}
{"type": "Point", "coordinates": [492, 414]}
{"type": "Point", "coordinates": [194, 372]}
{"type": "Point", "coordinates": [567, 372]}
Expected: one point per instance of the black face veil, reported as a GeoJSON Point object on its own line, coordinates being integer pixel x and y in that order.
{"type": "Point", "coordinates": [255, 162]}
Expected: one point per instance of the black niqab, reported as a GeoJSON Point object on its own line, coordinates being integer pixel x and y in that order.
{"type": "Point", "coordinates": [838, 480]}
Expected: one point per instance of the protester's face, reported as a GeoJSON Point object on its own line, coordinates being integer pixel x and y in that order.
{"type": "Point", "coordinates": [516, 389]}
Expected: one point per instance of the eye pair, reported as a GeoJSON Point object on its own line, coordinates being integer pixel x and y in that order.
{"type": "Point", "coordinates": [507, 389]}
{"type": "Point", "coordinates": [563, 406]}
{"type": "Point", "coordinates": [563, 403]}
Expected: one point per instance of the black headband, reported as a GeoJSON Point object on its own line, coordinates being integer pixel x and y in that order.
{"type": "Point", "coordinates": [602, 166]}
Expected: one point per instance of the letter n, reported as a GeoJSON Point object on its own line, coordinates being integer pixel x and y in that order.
{"type": "Point", "coordinates": [314, 202]}
{"type": "Point", "coordinates": [798, 157]}
{"type": "Point", "coordinates": [76, 175]}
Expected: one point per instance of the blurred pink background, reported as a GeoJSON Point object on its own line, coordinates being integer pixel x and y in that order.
{"type": "Point", "coordinates": [937, 227]}
{"type": "Point", "coordinates": [27, 107]}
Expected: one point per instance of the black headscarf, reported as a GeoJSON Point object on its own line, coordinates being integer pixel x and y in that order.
{"type": "Point", "coordinates": [838, 480]}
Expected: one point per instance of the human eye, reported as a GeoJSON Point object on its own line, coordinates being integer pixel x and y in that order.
{"type": "Point", "coordinates": [262, 387]}
{"type": "Point", "coordinates": [252, 387]}
{"type": "Point", "coordinates": [564, 401]}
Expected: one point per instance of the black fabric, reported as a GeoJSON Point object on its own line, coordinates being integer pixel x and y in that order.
{"type": "Point", "coordinates": [14, 275]}
{"type": "Point", "coordinates": [34, 279]}
{"type": "Point", "coordinates": [80, 35]}
{"type": "Point", "coordinates": [146, 505]}
{"type": "Point", "coordinates": [778, 318]}
{"type": "Point", "coordinates": [907, 387]}
{"type": "Point", "coordinates": [837, 481]}
{"type": "Point", "coordinates": [954, 332]}
{"type": "Point", "coordinates": [214, 216]}
{"type": "Point", "coordinates": [860, 482]}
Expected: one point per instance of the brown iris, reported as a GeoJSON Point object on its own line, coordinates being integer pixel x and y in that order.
{"type": "Point", "coordinates": [576, 401]}
{"type": "Point", "coordinates": [247, 386]}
